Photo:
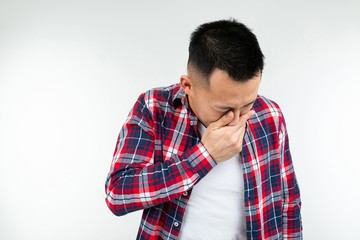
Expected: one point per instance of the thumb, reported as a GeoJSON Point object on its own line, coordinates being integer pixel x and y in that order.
{"type": "Point", "coordinates": [223, 121]}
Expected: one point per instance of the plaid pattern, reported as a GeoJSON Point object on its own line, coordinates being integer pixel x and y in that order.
{"type": "Point", "coordinates": [159, 157]}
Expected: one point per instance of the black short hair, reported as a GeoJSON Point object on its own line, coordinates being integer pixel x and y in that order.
{"type": "Point", "coordinates": [228, 45]}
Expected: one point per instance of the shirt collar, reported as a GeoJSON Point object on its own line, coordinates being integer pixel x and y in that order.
{"type": "Point", "coordinates": [179, 97]}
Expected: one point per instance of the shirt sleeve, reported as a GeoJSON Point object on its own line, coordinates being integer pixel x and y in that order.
{"type": "Point", "coordinates": [135, 182]}
{"type": "Point", "coordinates": [291, 202]}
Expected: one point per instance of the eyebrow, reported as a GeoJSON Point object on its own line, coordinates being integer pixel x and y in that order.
{"type": "Point", "coordinates": [226, 107]}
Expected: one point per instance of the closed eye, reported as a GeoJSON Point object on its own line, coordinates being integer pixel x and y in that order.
{"type": "Point", "coordinates": [227, 108]}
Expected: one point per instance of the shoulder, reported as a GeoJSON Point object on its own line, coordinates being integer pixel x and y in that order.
{"type": "Point", "coordinates": [157, 101]}
{"type": "Point", "coordinates": [151, 106]}
{"type": "Point", "coordinates": [266, 107]}
{"type": "Point", "coordinates": [268, 113]}
{"type": "Point", "coordinates": [161, 96]}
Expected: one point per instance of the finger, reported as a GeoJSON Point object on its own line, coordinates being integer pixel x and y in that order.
{"type": "Point", "coordinates": [223, 121]}
{"type": "Point", "coordinates": [246, 117]}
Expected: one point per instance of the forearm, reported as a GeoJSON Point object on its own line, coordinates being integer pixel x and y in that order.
{"type": "Point", "coordinates": [133, 188]}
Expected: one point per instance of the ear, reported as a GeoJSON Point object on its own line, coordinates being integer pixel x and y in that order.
{"type": "Point", "coordinates": [187, 84]}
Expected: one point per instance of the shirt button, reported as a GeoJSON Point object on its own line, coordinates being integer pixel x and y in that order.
{"type": "Point", "coordinates": [185, 193]}
{"type": "Point", "coordinates": [176, 224]}
{"type": "Point", "coordinates": [191, 123]}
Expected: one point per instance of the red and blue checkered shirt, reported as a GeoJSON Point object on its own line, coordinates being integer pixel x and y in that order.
{"type": "Point", "coordinates": [159, 157]}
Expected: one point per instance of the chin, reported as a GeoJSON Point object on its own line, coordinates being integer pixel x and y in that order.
{"type": "Point", "coordinates": [203, 123]}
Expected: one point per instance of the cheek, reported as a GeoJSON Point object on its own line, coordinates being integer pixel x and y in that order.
{"type": "Point", "coordinates": [209, 115]}
{"type": "Point", "coordinates": [215, 115]}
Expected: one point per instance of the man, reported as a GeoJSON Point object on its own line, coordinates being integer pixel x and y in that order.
{"type": "Point", "coordinates": [208, 158]}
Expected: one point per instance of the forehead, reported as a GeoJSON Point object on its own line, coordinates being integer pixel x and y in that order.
{"type": "Point", "coordinates": [225, 91]}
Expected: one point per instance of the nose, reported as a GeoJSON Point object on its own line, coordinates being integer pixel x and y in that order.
{"type": "Point", "coordinates": [236, 115]}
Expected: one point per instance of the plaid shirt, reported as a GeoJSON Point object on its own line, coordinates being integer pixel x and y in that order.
{"type": "Point", "coordinates": [159, 157]}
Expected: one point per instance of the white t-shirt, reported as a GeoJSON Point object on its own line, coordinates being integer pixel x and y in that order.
{"type": "Point", "coordinates": [216, 207]}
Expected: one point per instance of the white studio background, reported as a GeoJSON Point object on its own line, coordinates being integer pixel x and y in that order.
{"type": "Point", "coordinates": [71, 70]}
